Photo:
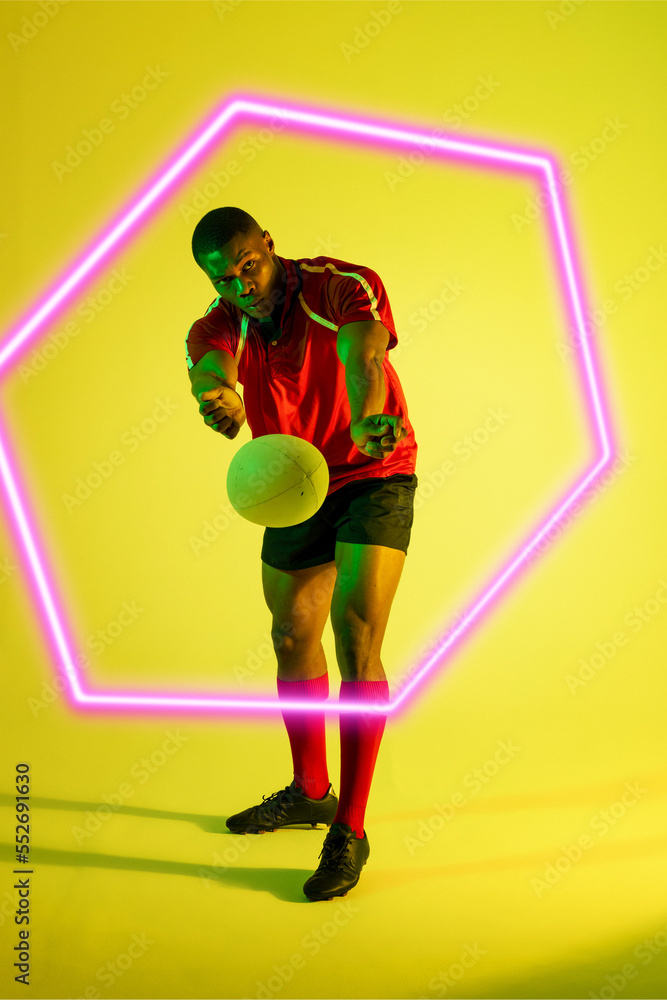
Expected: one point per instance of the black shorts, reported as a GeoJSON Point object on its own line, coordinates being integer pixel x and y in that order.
{"type": "Point", "coordinates": [373, 511]}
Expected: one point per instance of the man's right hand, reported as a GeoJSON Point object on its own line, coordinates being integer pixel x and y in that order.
{"type": "Point", "coordinates": [222, 410]}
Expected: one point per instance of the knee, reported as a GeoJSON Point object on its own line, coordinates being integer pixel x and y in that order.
{"type": "Point", "coordinates": [354, 636]}
{"type": "Point", "coordinates": [284, 638]}
{"type": "Point", "coordinates": [291, 644]}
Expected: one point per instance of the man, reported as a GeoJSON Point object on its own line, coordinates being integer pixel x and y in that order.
{"type": "Point", "coordinates": [308, 338]}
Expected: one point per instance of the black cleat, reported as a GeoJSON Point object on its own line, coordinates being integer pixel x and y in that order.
{"type": "Point", "coordinates": [343, 856]}
{"type": "Point", "coordinates": [285, 808]}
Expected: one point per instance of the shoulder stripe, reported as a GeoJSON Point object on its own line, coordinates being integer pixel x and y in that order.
{"type": "Point", "coordinates": [242, 340]}
{"type": "Point", "coordinates": [318, 319]}
{"type": "Point", "coordinates": [212, 306]}
{"type": "Point", "coordinates": [188, 359]}
{"type": "Point", "coordinates": [348, 274]}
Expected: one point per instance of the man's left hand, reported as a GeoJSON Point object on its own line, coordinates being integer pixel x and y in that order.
{"type": "Point", "coordinates": [378, 435]}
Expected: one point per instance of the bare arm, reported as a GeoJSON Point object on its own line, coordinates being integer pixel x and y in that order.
{"type": "Point", "coordinates": [361, 347]}
{"type": "Point", "coordinates": [213, 380]}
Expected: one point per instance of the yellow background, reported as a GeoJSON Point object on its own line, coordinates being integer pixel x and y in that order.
{"type": "Point", "coordinates": [441, 882]}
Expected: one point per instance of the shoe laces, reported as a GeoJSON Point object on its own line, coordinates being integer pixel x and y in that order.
{"type": "Point", "coordinates": [333, 852]}
{"type": "Point", "coordinates": [273, 805]}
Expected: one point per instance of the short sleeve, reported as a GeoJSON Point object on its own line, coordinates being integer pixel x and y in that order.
{"type": "Point", "coordinates": [358, 295]}
{"type": "Point", "coordinates": [203, 336]}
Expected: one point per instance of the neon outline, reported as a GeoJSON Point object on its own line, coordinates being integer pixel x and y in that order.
{"type": "Point", "coordinates": [89, 263]}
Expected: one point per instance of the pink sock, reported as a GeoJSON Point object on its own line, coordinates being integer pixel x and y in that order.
{"type": "Point", "coordinates": [360, 737]}
{"type": "Point", "coordinates": [307, 734]}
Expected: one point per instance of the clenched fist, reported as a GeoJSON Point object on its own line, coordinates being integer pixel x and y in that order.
{"type": "Point", "coordinates": [222, 409]}
{"type": "Point", "coordinates": [379, 434]}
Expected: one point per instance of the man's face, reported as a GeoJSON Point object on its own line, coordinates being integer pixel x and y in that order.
{"type": "Point", "coordinates": [246, 270]}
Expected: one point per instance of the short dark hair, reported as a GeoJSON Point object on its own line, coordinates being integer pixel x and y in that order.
{"type": "Point", "coordinates": [218, 227]}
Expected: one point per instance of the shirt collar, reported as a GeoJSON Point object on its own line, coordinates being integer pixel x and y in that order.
{"type": "Point", "coordinates": [291, 285]}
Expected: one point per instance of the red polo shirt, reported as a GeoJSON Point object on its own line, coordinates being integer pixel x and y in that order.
{"type": "Point", "coordinates": [294, 382]}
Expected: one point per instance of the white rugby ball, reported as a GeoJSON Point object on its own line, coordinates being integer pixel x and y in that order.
{"type": "Point", "coordinates": [277, 480]}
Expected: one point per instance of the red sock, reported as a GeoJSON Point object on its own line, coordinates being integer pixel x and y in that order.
{"type": "Point", "coordinates": [307, 734]}
{"type": "Point", "coordinates": [360, 736]}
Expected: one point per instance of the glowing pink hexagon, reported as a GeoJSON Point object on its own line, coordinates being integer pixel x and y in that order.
{"type": "Point", "coordinates": [500, 157]}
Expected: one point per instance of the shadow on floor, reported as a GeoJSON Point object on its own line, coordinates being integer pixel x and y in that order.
{"type": "Point", "coordinates": [636, 970]}
{"type": "Point", "coordinates": [285, 884]}
{"type": "Point", "coordinates": [210, 824]}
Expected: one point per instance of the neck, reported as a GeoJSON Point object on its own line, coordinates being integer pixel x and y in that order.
{"type": "Point", "coordinates": [276, 312]}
